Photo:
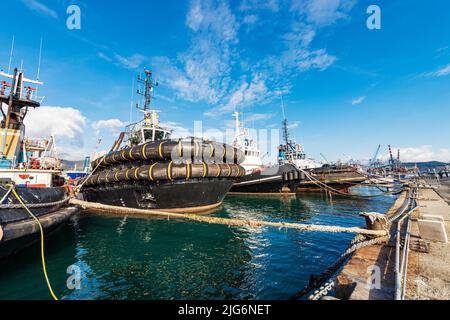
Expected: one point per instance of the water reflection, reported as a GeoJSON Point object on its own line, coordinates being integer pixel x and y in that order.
{"type": "Point", "coordinates": [142, 258]}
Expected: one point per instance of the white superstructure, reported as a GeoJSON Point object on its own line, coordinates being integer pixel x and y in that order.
{"type": "Point", "coordinates": [243, 141]}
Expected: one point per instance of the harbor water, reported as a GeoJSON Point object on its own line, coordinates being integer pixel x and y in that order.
{"type": "Point", "coordinates": [146, 258]}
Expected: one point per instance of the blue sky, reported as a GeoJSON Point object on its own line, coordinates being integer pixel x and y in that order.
{"type": "Point", "coordinates": [346, 88]}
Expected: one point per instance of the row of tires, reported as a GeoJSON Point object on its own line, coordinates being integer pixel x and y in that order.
{"type": "Point", "coordinates": [165, 171]}
{"type": "Point", "coordinates": [292, 175]}
{"type": "Point", "coordinates": [192, 150]}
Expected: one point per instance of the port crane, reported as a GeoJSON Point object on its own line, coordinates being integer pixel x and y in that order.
{"type": "Point", "coordinates": [391, 158]}
{"type": "Point", "coordinates": [323, 157]}
{"type": "Point", "coordinates": [373, 162]}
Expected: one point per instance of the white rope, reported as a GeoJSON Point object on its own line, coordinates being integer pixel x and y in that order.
{"type": "Point", "coordinates": [102, 208]}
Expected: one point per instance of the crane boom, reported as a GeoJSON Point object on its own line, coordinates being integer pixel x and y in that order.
{"type": "Point", "coordinates": [375, 156]}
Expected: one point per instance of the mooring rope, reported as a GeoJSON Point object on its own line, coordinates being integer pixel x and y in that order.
{"type": "Point", "coordinates": [102, 208]}
{"type": "Point", "coordinates": [326, 187]}
{"type": "Point", "coordinates": [41, 229]}
{"type": "Point", "coordinates": [34, 205]}
{"type": "Point", "coordinates": [78, 187]}
{"type": "Point", "coordinates": [324, 281]}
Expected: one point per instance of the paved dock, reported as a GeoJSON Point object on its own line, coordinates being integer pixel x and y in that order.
{"type": "Point", "coordinates": [444, 189]}
{"type": "Point", "coordinates": [429, 261]}
{"type": "Point", "coordinates": [357, 271]}
{"type": "Point", "coordinates": [430, 271]}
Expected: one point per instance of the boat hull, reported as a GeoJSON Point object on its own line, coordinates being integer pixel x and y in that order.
{"type": "Point", "coordinates": [340, 179]}
{"type": "Point", "coordinates": [279, 180]}
{"type": "Point", "coordinates": [188, 196]}
{"type": "Point", "coordinates": [18, 229]}
{"type": "Point", "coordinates": [30, 196]}
{"type": "Point", "coordinates": [17, 236]}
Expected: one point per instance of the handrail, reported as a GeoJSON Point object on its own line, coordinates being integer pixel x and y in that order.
{"type": "Point", "coordinates": [401, 266]}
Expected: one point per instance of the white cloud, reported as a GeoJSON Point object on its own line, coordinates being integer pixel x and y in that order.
{"type": "Point", "coordinates": [297, 55]}
{"type": "Point", "coordinates": [247, 5]}
{"type": "Point", "coordinates": [203, 72]}
{"type": "Point", "coordinates": [178, 131]}
{"type": "Point", "coordinates": [420, 154]}
{"type": "Point", "coordinates": [323, 12]}
{"type": "Point", "coordinates": [444, 71]}
{"type": "Point", "coordinates": [132, 62]}
{"type": "Point", "coordinates": [195, 16]}
{"type": "Point", "coordinates": [250, 19]}
{"type": "Point", "coordinates": [103, 56]}
{"type": "Point", "coordinates": [258, 117]}
{"type": "Point", "coordinates": [245, 94]}
{"type": "Point", "coordinates": [293, 125]}
{"type": "Point", "coordinates": [40, 8]}
{"type": "Point", "coordinates": [114, 125]}
{"type": "Point", "coordinates": [358, 100]}
{"type": "Point", "coordinates": [214, 68]}
{"type": "Point", "coordinates": [64, 122]}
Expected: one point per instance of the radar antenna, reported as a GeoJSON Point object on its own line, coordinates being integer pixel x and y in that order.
{"type": "Point", "coordinates": [148, 84]}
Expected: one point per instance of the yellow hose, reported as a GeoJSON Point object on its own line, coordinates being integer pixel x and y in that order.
{"type": "Point", "coordinates": [42, 242]}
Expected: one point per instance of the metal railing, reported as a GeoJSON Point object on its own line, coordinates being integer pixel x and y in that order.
{"type": "Point", "coordinates": [401, 265]}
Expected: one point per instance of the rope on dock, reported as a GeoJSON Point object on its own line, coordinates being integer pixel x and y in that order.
{"type": "Point", "coordinates": [325, 281]}
{"type": "Point", "coordinates": [102, 208]}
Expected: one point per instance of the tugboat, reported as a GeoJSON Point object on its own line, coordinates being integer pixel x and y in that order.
{"type": "Point", "coordinates": [153, 171]}
{"type": "Point", "coordinates": [29, 170]}
{"type": "Point", "coordinates": [281, 179]}
{"type": "Point", "coordinates": [252, 157]}
{"type": "Point", "coordinates": [339, 177]}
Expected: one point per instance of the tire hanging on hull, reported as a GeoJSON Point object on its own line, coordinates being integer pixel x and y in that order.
{"type": "Point", "coordinates": [193, 151]}
{"type": "Point", "coordinates": [165, 171]}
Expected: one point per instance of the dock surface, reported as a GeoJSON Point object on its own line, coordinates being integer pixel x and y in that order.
{"type": "Point", "coordinates": [430, 271]}
{"type": "Point", "coordinates": [428, 265]}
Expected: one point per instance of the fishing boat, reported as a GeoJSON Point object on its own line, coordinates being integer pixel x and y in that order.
{"type": "Point", "coordinates": [30, 172]}
{"type": "Point", "coordinates": [259, 179]}
{"type": "Point", "coordinates": [149, 170]}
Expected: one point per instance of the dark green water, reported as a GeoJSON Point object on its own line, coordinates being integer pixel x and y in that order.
{"type": "Point", "coordinates": [140, 258]}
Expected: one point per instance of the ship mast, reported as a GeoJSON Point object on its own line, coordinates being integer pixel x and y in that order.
{"type": "Point", "coordinates": [16, 100]}
{"type": "Point", "coordinates": [148, 90]}
{"type": "Point", "coordinates": [287, 140]}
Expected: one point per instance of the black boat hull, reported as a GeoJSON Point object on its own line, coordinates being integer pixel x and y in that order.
{"type": "Point", "coordinates": [178, 195]}
{"type": "Point", "coordinates": [17, 228]}
{"type": "Point", "coordinates": [30, 196]}
{"type": "Point", "coordinates": [16, 236]}
{"type": "Point", "coordinates": [279, 180]}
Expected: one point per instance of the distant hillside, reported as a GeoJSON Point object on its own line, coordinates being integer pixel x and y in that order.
{"type": "Point", "coordinates": [70, 165]}
{"type": "Point", "coordinates": [425, 165]}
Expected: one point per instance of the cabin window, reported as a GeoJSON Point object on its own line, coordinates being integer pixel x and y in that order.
{"type": "Point", "coordinates": [147, 135]}
{"type": "Point", "coordinates": [159, 135]}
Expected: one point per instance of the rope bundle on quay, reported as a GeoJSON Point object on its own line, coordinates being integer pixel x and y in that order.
{"type": "Point", "coordinates": [322, 284]}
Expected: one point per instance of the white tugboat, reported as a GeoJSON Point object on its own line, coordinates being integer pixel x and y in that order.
{"type": "Point", "coordinates": [242, 140]}
{"type": "Point", "coordinates": [280, 179]}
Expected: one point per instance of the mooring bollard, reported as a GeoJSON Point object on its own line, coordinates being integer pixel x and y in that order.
{"type": "Point", "coordinates": [375, 221]}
